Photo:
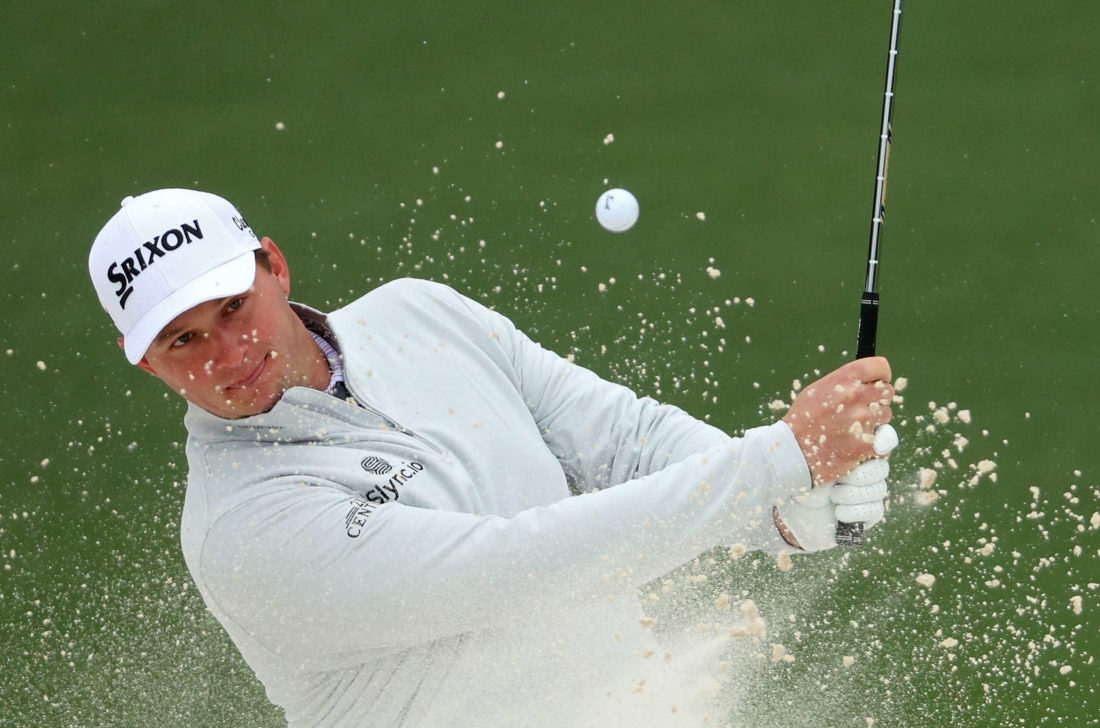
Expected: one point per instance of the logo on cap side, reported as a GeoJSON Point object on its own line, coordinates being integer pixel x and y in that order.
{"type": "Point", "coordinates": [243, 225]}
{"type": "Point", "coordinates": [123, 272]}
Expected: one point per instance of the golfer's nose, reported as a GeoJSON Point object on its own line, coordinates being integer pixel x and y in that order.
{"type": "Point", "coordinates": [229, 347]}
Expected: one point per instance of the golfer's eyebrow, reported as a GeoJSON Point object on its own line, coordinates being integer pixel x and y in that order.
{"type": "Point", "coordinates": [171, 333]}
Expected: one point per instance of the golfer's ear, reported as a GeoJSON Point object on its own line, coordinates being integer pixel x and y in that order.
{"type": "Point", "coordinates": [143, 364]}
{"type": "Point", "coordinates": [277, 261]}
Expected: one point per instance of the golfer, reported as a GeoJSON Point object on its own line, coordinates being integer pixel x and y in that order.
{"type": "Point", "coordinates": [407, 513]}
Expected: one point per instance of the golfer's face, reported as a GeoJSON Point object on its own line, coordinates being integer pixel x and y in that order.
{"type": "Point", "coordinates": [234, 356]}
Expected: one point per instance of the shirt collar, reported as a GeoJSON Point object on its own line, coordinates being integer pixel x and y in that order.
{"type": "Point", "coordinates": [335, 362]}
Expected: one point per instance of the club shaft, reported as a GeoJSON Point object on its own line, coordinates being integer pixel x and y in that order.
{"type": "Point", "coordinates": [851, 534]}
{"type": "Point", "coordinates": [878, 209]}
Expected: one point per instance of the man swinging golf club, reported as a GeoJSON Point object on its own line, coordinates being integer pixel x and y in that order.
{"type": "Point", "coordinates": [407, 513]}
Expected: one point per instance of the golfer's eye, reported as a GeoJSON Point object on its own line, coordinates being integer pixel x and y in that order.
{"type": "Point", "coordinates": [181, 340]}
{"type": "Point", "coordinates": [235, 304]}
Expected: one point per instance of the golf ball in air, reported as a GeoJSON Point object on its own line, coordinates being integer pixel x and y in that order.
{"type": "Point", "coordinates": [617, 210]}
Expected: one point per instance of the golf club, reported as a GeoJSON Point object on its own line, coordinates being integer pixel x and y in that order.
{"type": "Point", "coordinates": [851, 534]}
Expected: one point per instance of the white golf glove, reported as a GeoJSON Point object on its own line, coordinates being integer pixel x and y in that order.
{"type": "Point", "coordinates": [811, 517]}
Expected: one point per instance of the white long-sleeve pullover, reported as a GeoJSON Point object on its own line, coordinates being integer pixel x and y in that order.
{"type": "Point", "coordinates": [461, 546]}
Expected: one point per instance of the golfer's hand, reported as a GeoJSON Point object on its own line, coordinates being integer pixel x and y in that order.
{"type": "Point", "coordinates": [808, 520]}
{"type": "Point", "coordinates": [835, 418]}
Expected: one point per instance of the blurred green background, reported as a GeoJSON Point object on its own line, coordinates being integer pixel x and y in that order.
{"type": "Point", "coordinates": [467, 142]}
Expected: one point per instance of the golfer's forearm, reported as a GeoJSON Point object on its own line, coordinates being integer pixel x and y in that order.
{"type": "Point", "coordinates": [433, 573]}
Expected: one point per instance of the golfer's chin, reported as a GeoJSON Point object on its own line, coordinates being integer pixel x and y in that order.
{"type": "Point", "coordinates": [233, 404]}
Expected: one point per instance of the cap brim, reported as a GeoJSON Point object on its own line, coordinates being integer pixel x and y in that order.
{"type": "Point", "coordinates": [228, 279]}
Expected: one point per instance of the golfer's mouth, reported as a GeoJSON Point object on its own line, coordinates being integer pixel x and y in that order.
{"type": "Point", "coordinates": [252, 376]}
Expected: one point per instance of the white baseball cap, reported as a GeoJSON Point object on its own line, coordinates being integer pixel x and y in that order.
{"type": "Point", "coordinates": [165, 252]}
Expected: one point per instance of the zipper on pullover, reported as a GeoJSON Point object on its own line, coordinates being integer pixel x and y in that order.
{"type": "Point", "coordinates": [394, 424]}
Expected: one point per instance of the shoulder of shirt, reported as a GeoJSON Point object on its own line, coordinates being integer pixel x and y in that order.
{"type": "Point", "coordinates": [413, 286]}
{"type": "Point", "coordinates": [404, 292]}
{"type": "Point", "coordinates": [389, 293]}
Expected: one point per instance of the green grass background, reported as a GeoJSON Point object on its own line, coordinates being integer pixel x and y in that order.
{"type": "Point", "coordinates": [761, 115]}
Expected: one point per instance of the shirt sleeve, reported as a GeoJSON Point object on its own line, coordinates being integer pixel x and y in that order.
{"type": "Point", "coordinates": [294, 573]}
{"type": "Point", "coordinates": [602, 433]}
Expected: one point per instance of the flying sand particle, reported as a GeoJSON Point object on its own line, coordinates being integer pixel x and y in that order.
{"type": "Point", "coordinates": [926, 497]}
{"type": "Point", "coordinates": [780, 654]}
{"type": "Point", "coordinates": [754, 626]}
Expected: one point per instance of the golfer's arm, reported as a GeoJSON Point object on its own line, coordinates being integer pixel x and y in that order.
{"type": "Point", "coordinates": [292, 573]}
{"type": "Point", "coordinates": [601, 432]}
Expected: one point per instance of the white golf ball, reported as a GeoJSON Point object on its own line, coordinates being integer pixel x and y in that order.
{"type": "Point", "coordinates": [617, 210]}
